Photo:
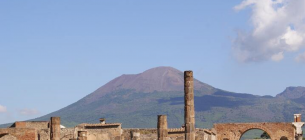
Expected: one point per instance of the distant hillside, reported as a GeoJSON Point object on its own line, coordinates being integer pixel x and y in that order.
{"type": "Point", "coordinates": [136, 100]}
{"type": "Point", "coordinates": [293, 93]}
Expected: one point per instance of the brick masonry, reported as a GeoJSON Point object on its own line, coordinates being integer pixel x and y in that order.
{"type": "Point", "coordinates": [233, 131]}
{"type": "Point", "coordinates": [20, 133]}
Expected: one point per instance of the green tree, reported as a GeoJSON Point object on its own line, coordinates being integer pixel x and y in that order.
{"type": "Point", "coordinates": [265, 136]}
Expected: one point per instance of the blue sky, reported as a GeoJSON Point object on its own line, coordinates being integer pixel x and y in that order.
{"type": "Point", "coordinates": [53, 53]}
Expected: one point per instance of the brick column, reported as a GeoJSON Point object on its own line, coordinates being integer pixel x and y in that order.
{"type": "Point", "coordinates": [162, 127]}
{"type": "Point", "coordinates": [297, 118]}
{"type": "Point", "coordinates": [82, 135]}
{"type": "Point", "coordinates": [55, 128]}
{"type": "Point", "coordinates": [189, 113]}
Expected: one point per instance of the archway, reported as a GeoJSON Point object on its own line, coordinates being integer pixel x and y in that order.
{"type": "Point", "coordinates": [234, 131]}
{"type": "Point", "coordinates": [254, 133]}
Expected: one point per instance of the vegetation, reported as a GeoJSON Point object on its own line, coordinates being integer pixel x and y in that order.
{"type": "Point", "coordinates": [265, 136]}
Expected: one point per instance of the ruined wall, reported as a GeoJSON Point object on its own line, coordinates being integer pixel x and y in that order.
{"type": "Point", "coordinates": [103, 134]}
{"type": "Point", "coordinates": [39, 126]}
{"type": "Point", "coordinates": [36, 125]}
{"type": "Point", "coordinates": [65, 134]}
{"type": "Point", "coordinates": [151, 134]}
{"type": "Point", "coordinates": [19, 133]}
{"type": "Point", "coordinates": [92, 134]}
{"type": "Point", "coordinates": [145, 134]}
{"type": "Point", "coordinates": [43, 134]}
{"type": "Point", "coordinates": [68, 133]}
{"type": "Point", "coordinates": [233, 131]}
{"type": "Point", "coordinates": [8, 137]}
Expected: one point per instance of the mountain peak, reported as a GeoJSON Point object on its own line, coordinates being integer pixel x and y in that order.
{"type": "Point", "coordinates": [292, 92]}
{"type": "Point", "coordinates": [163, 76]}
{"type": "Point", "coordinates": [161, 69]}
{"type": "Point", "coordinates": [160, 79]}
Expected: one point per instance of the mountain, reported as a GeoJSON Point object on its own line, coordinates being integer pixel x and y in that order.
{"type": "Point", "coordinates": [292, 93]}
{"type": "Point", "coordinates": [136, 99]}
{"type": "Point", "coordinates": [295, 94]}
{"type": "Point", "coordinates": [160, 79]}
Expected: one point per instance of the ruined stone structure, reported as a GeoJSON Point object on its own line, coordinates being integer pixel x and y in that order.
{"type": "Point", "coordinates": [189, 109]}
{"type": "Point", "coordinates": [35, 125]}
{"type": "Point", "coordinates": [173, 134]}
{"type": "Point", "coordinates": [234, 131]}
{"type": "Point", "coordinates": [103, 130]}
{"type": "Point", "coordinates": [162, 127]}
{"type": "Point", "coordinates": [18, 133]}
{"type": "Point", "coordinates": [82, 135]}
{"type": "Point", "coordinates": [55, 128]}
{"type": "Point", "coordinates": [135, 135]}
{"type": "Point", "coordinates": [51, 130]}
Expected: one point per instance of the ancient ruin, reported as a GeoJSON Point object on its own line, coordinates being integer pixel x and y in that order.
{"type": "Point", "coordinates": [52, 130]}
{"type": "Point", "coordinates": [189, 109]}
{"type": "Point", "coordinates": [162, 127]}
{"type": "Point", "coordinates": [233, 131]}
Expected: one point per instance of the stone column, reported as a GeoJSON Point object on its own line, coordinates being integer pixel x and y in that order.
{"type": "Point", "coordinates": [82, 135]}
{"type": "Point", "coordinates": [55, 128]}
{"type": "Point", "coordinates": [189, 113]}
{"type": "Point", "coordinates": [162, 127]}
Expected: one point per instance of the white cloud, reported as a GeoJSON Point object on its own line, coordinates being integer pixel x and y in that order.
{"type": "Point", "coordinates": [2, 109]}
{"type": "Point", "coordinates": [300, 58]}
{"type": "Point", "coordinates": [277, 57]}
{"type": "Point", "coordinates": [28, 112]}
{"type": "Point", "coordinates": [278, 28]}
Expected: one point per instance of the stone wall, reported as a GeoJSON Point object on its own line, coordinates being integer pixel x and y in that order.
{"type": "Point", "coordinates": [43, 134]}
{"type": "Point", "coordinates": [35, 124]}
{"type": "Point", "coordinates": [103, 134]}
{"type": "Point", "coordinates": [18, 133]}
{"type": "Point", "coordinates": [68, 133]}
{"type": "Point", "coordinates": [145, 134]}
{"type": "Point", "coordinates": [8, 137]}
{"type": "Point", "coordinates": [92, 134]}
{"type": "Point", "coordinates": [151, 134]}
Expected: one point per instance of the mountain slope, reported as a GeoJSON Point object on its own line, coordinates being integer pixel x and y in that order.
{"type": "Point", "coordinates": [136, 100]}
{"type": "Point", "coordinates": [292, 93]}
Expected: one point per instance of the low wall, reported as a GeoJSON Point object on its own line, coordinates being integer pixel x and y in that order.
{"type": "Point", "coordinates": [151, 134]}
